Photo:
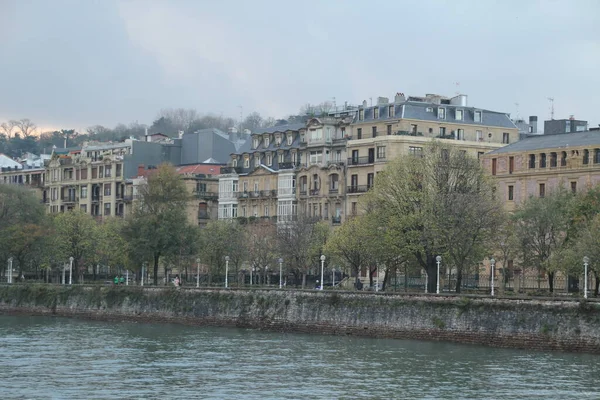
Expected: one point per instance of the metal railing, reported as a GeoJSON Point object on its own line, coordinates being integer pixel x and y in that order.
{"type": "Point", "coordinates": [359, 189]}
{"type": "Point", "coordinates": [361, 160]}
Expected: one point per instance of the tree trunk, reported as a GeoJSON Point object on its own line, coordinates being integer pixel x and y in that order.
{"type": "Point", "coordinates": [551, 281]}
{"type": "Point", "coordinates": [156, 257]}
{"type": "Point", "coordinates": [304, 280]}
{"type": "Point", "coordinates": [431, 270]}
{"type": "Point", "coordinates": [458, 280]}
{"type": "Point", "coordinates": [597, 284]}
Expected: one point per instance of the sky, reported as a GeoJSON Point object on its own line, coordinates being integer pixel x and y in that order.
{"type": "Point", "coordinates": [77, 63]}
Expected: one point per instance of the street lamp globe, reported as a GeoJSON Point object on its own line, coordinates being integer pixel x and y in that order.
{"type": "Point", "coordinates": [198, 260]}
{"type": "Point", "coordinates": [492, 261]}
{"type": "Point", "coordinates": [586, 260]}
{"type": "Point", "coordinates": [280, 260]}
{"type": "Point", "coordinates": [438, 259]}
{"type": "Point", "coordinates": [226, 258]}
{"type": "Point", "coordinates": [322, 258]}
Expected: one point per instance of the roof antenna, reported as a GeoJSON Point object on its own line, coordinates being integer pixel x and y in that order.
{"type": "Point", "coordinates": [551, 100]}
{"type": "Point", "coordinates": [518, 115]}
{"type": "Point", "coordinates": [457, 88]}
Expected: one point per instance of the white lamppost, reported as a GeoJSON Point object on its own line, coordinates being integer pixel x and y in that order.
{"type": "Point", "coordinates": [127, 277]}
{"type": "Point", "coordinates": [198, 272]}
{"type": "Point", "coordinates": [322, 266]}
{"type": "Point", "coordinates": [438, 259]}
{"type": "Point", "coordinates": [333, 277]}
{"type": "Point", "coordinates": [10, 271]}
{"type": "Point", "coordinates": [586, 261]}
{"type": "Point", "coordinates": [142, 280]}
{"type": "Point", "coordinates": [280, 273]}
{"type": "Point", "coordinates": [64, 272]}
{"type": "Point", "coordinates": [226, 269]}
{"type": "Point", "coordinates": [71, 270]}
{"type": "Point", "coordinates": [251, 277]}
{"type": "Point", "coordinates": [492, 264]}
{"type": "Point", "coordinates": [377, 280]}
{"type": "Point", "coordinates": [266, 280]}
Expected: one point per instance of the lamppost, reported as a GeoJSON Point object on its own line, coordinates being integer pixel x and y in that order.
{"type": "Point", "coordinates": [127, 277]}
{"type": "Point", "coordinates": [64, 272]}
{"type": "Point", "coordinates": [251, 278]}
{"type": "Point", "coordinates": [198, 272]}
{"type": "Point", "coordinates": [492, 263]}
{"type": "Point", "coordinates": [10, 271]}
{"type": "Point", "coordinates": [322, 266]}
{"type": "Point", "coordinates": [71, 270]}
{"type": "Point", "coordinates": [586, 261]}
{"type": "Point", "coordinates": [280, 272]}
{"type": "Point", "coordinates": [266, 280]}
{"type": "Point", "coordinates": [226, 269]}
{"type": "Point", "coordinates": [142, 280]}
{"type": "Point", "coordinates": [439, 260]}
{"type": "Point", "coordinates": [333, 277]}
{"type": "Point", "coordinates": [377, 281]}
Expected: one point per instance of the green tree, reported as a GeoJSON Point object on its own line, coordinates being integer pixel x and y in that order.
{"type": "Point", "coordinates": [542, 224]}
{"type": "Point", "coordinates": [159, 218]}
{"type": "Point", "coordinates": [219, 239]}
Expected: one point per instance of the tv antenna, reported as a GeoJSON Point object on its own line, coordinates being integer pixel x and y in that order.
{"type": "Point", "coordinates": [551, 100]}
{"type": "Point", "coordinates": [457, 88]}
{"type": "Point", "coordinates": [518, 115]}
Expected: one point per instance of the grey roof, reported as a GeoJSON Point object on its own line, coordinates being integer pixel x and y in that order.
{"type": "Point", "coordinates": [418, 111]}
{"type": "Point", "coordinates": [560, 141]}
{"type": "Point", "coordinates": [213, 130]}
{"type": "Point", "coordinates": [280, 128]}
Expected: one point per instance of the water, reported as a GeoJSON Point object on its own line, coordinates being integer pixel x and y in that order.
{"type": "Point", "coordinates": [60, 358]}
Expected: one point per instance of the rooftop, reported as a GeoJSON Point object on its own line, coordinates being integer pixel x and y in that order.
{"type": "Point", "coordinates": [562, 141]}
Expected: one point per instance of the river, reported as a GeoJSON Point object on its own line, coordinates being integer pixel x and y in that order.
{"type": "Point", "coordinates": [61, 358]}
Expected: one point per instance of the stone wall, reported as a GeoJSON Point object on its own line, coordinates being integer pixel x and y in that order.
{"type": "Point", "coordinates": [544, 324]}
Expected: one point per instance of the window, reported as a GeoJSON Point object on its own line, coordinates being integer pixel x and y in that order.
{"type": "Point", "coordinates": [429, 109]}
{"type": "Point", "coordinates": [586, 156]}
{"type": "Point", "coordinates": [532, 161]}
{"type": "Point", "coordinates": [442, 131]}
{"type": "Point", "coordinates": [359, 133]}
{"type": "Point", "coordinates": [361, 114]}
{"type": "Point", "coordinates": [381, 152]}
{"type": "Point", "coordinates": [255, 186]}
{"type": "Point", "coordinates": [574, 187]}
{"type": "Point", "coordinates": [505, 138]}
{"type": "Point", "coordinates": [266, 211]}
{"type": "Point", "coordinates": [234, 213]}
{"type": "Point", "coordinates": [290, 138]}
{"type": "Point", "coordinates": [108, 171]}
{"type": "Point", "coordinates": [246, 162]}
{"type": "Point", "coordinates": [106, 208]}
{"type": "Point", "coordinates": [460, 134]}
{"type": "Point", "coordinates": [511, 164]}
{"type": "Point", "coordinates": [494, 165]}
{"type": "Point", "coordinates": [84, 191]}
{"type": "Point", "coordinates": [316, 135]}
{"type": "Point", "coordinates": [107, 189]}
{"type": "Point", "coordinates": [479, 154]}
{"type": "Point", "coordinates": [243, 211]}
{"type": "Point", "coordinates": [389, 129]}
{"type": "Point", "coordinates": [328, 134]}
{"type": "Point", "coordinates": [477, 116]}
{"type": "Point", "coordinates": [257, 160]}
{"type": "Point", "coordinates": [353, 182]}
{"type": "Point", "coordinates": [84, 171]}
{"type": "Point", "coordinates": [234, 162]}
{"type": "Point", "coordinates": [542, 189]}
{"type": "Point", "coordinates": [255, 143]}
{"type": "Point", "coordinates": [354, 207]}
{"type": "Point", "coordinates": [374, 131]}
{"type": "Point", "coordinates": [234, 186]}
{"type": "Point", "coordinates": [415, 151]}
{"type": "Point", "coordinates": [479, 135]}
{"type": "Point", "coordinates": [596, 156]}
{"type": "Point", "coordinates": [413, 129]}
{"type": "Point", "coordinates": [83, 208]}
{"type": "Point", "coordinates": [269, 159]}
{"type": "Point", "coordinates": [245, 186]}
{"type": "Point", "coordinates": [553, 160]}
{"type": "Point", "coordinates": [511, 192]}
{"type": "Point", "coordinates": [281, 157]}
{"type": "Point", "coordinates": [376, 113]}
{"type": "Point", "coordinates": [441, 113]}
{"type": "Point", "coordinates": [316, 157]}
{"type": "Point", "coordinates": [370, 180]}
{"type": "Point", "coordinates": [459, 115]}
{"type": "Point", "coordinates": [563, 159]}
{"type": "Point", "coordinates": [391, 112]}
{"type": "Point", "coordinates": [334, 183]}
{"type": "Point", "coordinates": [100, 172]}
{"type": "Point", "coordinates": [543, 160]}
{"type": "Point", "coordinates": [266, 141]}
{"type": "Point", "coordinates": [278, 140]}
{"type": "Point", "coordinates": [568, 127]}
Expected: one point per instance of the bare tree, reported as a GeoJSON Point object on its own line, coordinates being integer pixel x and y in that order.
{"type": "Point", "coordinates": [26, 126]}
{"type": "Point", "coordinates": [8, 128]}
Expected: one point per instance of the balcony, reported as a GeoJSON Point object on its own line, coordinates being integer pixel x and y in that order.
{"type": "Point", "coordinates": [334, 191]}
{"type": "Point", "coordinates": [288, 165]}
{"type": "Point", "coordinates": [206, 195]}
{"type": "Point", "coordinates": [358, 189]}
{"type": "Point", "coordinates": [314, 192]}
{"type": "Point", "coordinates": [338, 163]}
{"type": "Point", "coordinates": [254, 194]}
{"type": "Point", "coordinates": [336, 220]}
{"type": "Point", "coordinates": [231, 170]}
{"type": "Point", "coordinates": [268, 193]}
{"type": "Point", "coordinates": [303, 192]}
{"type": "Point", "coordinates": [361, 160]}
{"type": "Point", "coordinates": [128, 198]}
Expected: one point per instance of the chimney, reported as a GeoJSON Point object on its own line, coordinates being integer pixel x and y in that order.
{"type": "Point", "coordinates": [571, 117]}
{"type": "Point", "coordinates": [141, 170]}
{"type": "Point", "coordinates": [364, 103]}
{"type": "Point", "coordinates": [399, 98]}
{"type": "Point", "coordinates": [382, 100]}
{"type": "Point", "coordinates": [533, 123]}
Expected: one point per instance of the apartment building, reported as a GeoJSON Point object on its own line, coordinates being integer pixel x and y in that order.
{"type": "Point", "coordinates": [538, 164]}
{"type": "Point", "coordinates": [28, 172]}
{"type": "Point", "coordinates": [403, 128]}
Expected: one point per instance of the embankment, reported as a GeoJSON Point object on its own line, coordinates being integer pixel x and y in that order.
{"type": "Point", "coordinates": [544, 324]}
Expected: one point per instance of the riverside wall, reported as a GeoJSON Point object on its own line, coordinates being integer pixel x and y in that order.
{"type": "Point", "coordinates": [542, 324]}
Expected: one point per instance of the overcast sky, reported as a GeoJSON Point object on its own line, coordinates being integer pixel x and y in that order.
{"type": "Point", "coordinates": [77, 63]}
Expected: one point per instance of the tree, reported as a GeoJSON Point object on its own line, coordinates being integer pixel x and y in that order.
{"type": "Point", "coordinates": [8, 128]}
{"type": "Point", "coordinates": [75, 235]}
{"type": "Point", "coordinates": [159, 217]}
{"type": "Point", "coordinates": [25, 126]}
{"type": "Point", "coordinates": [260, 237]}
{"type": "Point", "coordinates": [542, 224]}
{"type": "Point", "coordinates": [219, 239]}
{"type": "Point", "coordinates": [301, 242]}
{"type": "Point", "coordinates": [437, 204]}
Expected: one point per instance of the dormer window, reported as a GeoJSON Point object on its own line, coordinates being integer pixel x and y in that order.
{"type": "Point", "coordinates": [281, 157]}
{"type": "Point", "coordinates": [266, 141]}
{"type": "Point", "coordinates": [234, 162]}
{"type": "Point", "coordinates": [441, 113]}
{"type": "Point", "coordinates": [391, 112]}
{"type": "Point", "coordinates": [246, 163]}
{"type": "Point", "coordinates": [477, 116]}
{"type": "Point", "coordinates": [459, 115]}
{"type": "Point", "coordinates": [269, 159]}
{"type": "Point", "coordinates": [429, 109]}
{"type": "Point", "coordinates": [361, 114]}
{"type": "Point", "coordinates": [278, 140]}
{"type": "Point", "coordinates": [257, 160]}
{"type": "Point", "coordinates": [376, 113]}
{"type": "Point", "coordinates": [255, 143]}
{"type": "Point", "coordinates": [290, 138]}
